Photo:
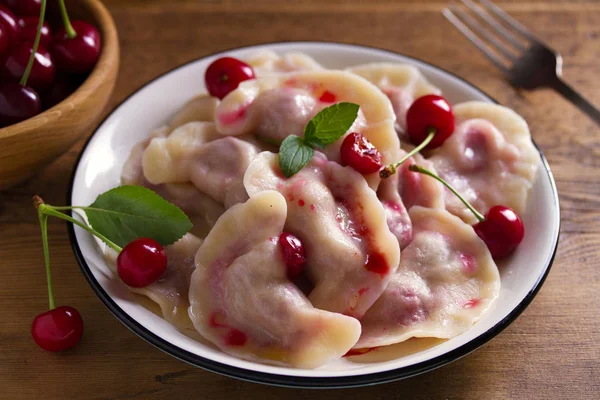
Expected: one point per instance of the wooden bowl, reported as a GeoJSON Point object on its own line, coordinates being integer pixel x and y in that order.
{"type": "Point", "coordinates": [30, 145]}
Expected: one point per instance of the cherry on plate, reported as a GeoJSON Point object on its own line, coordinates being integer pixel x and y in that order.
{"type": "Point", "coordinates": [17, 103]}
{"type": "Point", "coordinates": [24, 7]}
{"type": "Point", "coordinates": [427, 113]}
{"type": "Point", "coordinates": [42, 72]}
{"type": "Point", "coordinates": [58, 329]}
{"type": "Point", "coordinates": [225, 74]}
{"type": "Point", "coordinates": [502, 231]}
{"type": "Point", "coordinates": [141, 262]}
{"type": "Point", "coordinates": [9, 22]}
{"type": "Point", "coordinates": [293, 253]}
{"type": "Point", "coordinates": [28, 30]}
{"type": "Point", "coordinates": [79, 54]}
{"type": "Point", "coordinates": [360, 154]}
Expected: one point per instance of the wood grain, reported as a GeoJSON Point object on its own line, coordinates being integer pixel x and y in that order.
{"type": "Point", "coordinates": [32, 144]}
{"type": "Point", "coordinates": [551, 352]}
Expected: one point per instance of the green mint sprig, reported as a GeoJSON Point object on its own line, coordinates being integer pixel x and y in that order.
{"type": "Point", "coordinates": [325, 128]}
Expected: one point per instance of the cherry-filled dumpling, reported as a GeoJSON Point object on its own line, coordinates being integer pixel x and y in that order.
{"type": "Point", "coordinates": [490, 159]}
{"type": "Point", "coordinates": [445, 282]}
{"type": "Point", "coordinates": [242, 300]}
{"type": "Point", "coordinates": [200, 108]}
{"type": "Point", "coordinates": [268, 62]}
{"type": "Point", "coordinates": [277, 106]}
{"type": "Point", "coordinates": [403, 84]}
{"type": "Point", "coordinates": [350, 251]}
{"type": "Point", "coordinates": [195, 153]}
{"type": "Point", "coordinates": [201, 209]}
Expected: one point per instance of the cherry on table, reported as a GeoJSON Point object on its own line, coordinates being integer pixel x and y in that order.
{"type": "Point", "coordinates": [58, 329]}
{"type": "Point", "coordinates": [79, 54]}
{"type": "Point", "coordinates": [28, 29]}
{"type": "Point", "coordinates": [225, 74]}
{"type": "Point", "coordinates": [293, 253]}
{"type": "Point", "coordinates": [141, 262]}
{"type": "Point", "coordinates": [430, 113]}
{"type": "Point", "coordinates": [17, 103]}
{"type": "Point", "coordinates": [9, 22]}
{"type": "Point", "coordinates": [42, 72]}
{"type": "Point", "coordinates": [502, 231]}
{"type": "Point", "coordinates": [24, 7]}
{"type": "Point", "coordinates": [360, 154]}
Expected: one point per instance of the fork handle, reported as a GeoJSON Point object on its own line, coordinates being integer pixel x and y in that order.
{"type": "Point", "coordinates": [574, 97]}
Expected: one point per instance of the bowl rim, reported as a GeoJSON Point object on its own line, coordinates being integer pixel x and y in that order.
{"type": "Point", "coordinates": [107, 60]}
{"type": "Point", "coordinates": [298, 381]}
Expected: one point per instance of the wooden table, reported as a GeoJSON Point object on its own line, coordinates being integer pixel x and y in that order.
{"type": "Point", "coordinates": [551, 351]}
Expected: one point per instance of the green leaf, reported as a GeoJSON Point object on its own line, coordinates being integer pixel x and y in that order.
{"type": "Point", "coordinates": [126, 213]}
{"type": "Point", "coordinates": [330, 124]}
{"type": "Point", "coordinates": [294, 154]}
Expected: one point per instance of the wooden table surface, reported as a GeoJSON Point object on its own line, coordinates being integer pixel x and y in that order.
{"type": "Point", "coordinates": [551, 351]}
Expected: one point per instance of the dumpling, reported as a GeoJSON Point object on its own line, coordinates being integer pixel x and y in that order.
{"type": "Point", "coordinates": [170, 291]}
{"type": "Point", "coordinates": [195, 153]}
{"type": "Point", "coordinates": [268, 62]}
{"type": "Point", "coordinates": [490, 159]}
{"type": "Point", "coordinates": [403, 84]}
{"type": "Point", "coordinates": [350, 250]}
{"type": "Point", "coordinates": [200, 108]}
{"type": "Point", "coordinates": [301, 95]}
{"type": "Point", "coordinates": [242, 300]}
{"type": "Point", "coordinates": [201, 209]}
{"type": "Point", "coordinates": [445, 282]}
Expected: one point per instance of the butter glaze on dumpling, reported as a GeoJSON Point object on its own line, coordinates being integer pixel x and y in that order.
{"type": "Point", "coordinates": [445, 282]}
{"type": "Point", "coordinates": [490, 159]}
{"type": "Point", "coordinates": [350, 250]}
{"type": "Point", "coordinates": [242, 301]}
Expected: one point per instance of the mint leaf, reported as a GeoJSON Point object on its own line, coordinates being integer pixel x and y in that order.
{"type": "Point", "coordinates": [330, 124]}
{"type": "Point", "coordinates": [294, 154]}
{"type": "Point", "coordinates": [126, 213]}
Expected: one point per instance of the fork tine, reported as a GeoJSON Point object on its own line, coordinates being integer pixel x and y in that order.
{"type": "Point", "coordinates": [480, 44]}
{"type": "Point", "coordinates": [478, 28]}
{"type": "Point", "coordinates": [497, 11]}
{"type": "Point", "coordinates": [505, 33]}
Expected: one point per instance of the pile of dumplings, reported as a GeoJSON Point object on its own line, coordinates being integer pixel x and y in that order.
{"type": "Point", "coordinates": [226, 279]}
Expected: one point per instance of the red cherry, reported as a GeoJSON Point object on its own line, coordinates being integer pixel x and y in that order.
{"type": "Point", "coordinates": [4, 43]}
{"type": "Point", "coordinates": [502, 231]}
{"type": "Point", "coordinates": [79, 54]}
{"type": "Point", "coordinates": [28, 27]}
{"type": "Point", "coordinates": [17, 103]}
{"type": "Point", "coordinates": [42, 72]}
{"type": "Point", "coordinates": [293, 254]}
{"type": "Point", "coordinates": [225, 74]}
{"type": "Point", "coordinates": [360, 154]}
{"type": "Point", "coordinates": [62, 88]}
{"type": "Point", "coordinates": [141, 262]}
{"type": "Point", "coordinates": [9, 22]}
{"type": "Point", "coordinates": [429, 112]}
{"type": "Point", "coordinates": [24, 7]}
{"type": "Point", "coordinates": [58, 329]}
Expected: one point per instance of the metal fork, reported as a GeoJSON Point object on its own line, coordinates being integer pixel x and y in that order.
{"type": "Point", "coordinates": [527, 62]}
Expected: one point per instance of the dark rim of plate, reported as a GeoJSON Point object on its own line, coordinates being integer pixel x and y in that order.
{"type": "Point", "coordinates": [298, 381]}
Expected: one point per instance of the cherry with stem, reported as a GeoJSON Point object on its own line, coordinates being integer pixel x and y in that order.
{"type": "Point", "coordinates": [501, 228]}
{"type": "Point", "coordinates": [429, 123]}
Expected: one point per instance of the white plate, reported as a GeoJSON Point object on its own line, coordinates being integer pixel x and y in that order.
{"type": "Point", "coordinates": [99, 168]}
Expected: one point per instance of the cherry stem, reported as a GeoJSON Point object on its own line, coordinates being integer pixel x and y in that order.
{"type": "Point", "coordinates": [71, 34]}
{"type": "Point", "coordinates": [36, 44]}
{"type": "Point", "coordinates": [49, 210]}
{"type": "Point", "coordinates": [418, 168]}
{"type": "Point", "coordinates": [44, 227]}
{"type": "Point", "coordinates": [391, 169]}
